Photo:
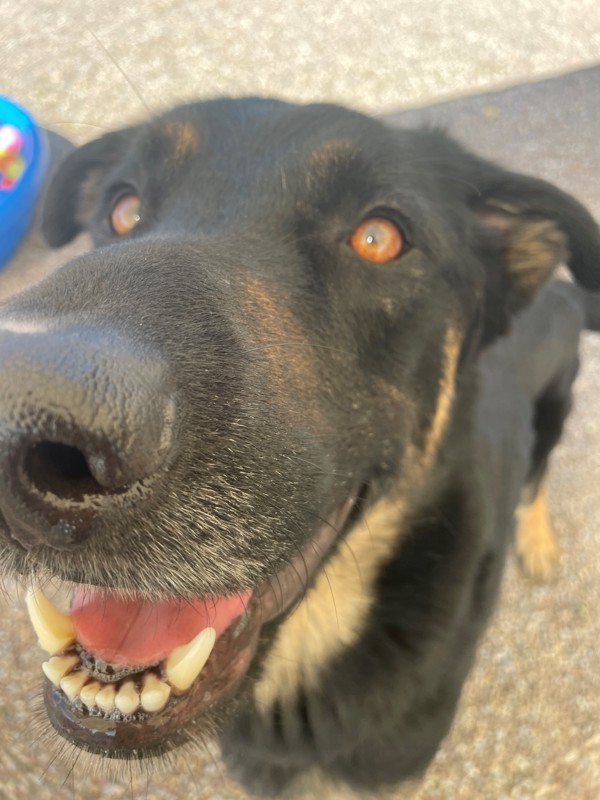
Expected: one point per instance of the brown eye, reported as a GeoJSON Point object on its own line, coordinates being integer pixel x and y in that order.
{"type": "Point", "coordinates": [378, 240]}
{"type": "Point", "coordinates": [125, 214]}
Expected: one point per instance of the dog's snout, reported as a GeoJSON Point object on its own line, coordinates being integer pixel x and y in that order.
{"type": "Point", "coordinates": [86, 423]}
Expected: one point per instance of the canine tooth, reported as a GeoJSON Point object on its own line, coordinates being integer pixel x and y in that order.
{"type": "Point", "coordinates": [73, 683]}
{"type": "Point", "coordinates": [54, 629]}
{"type": "Point", "coordinates": [58, 666]}
{"type": "Point", "coordinates": [155, 693]}
{"type": "Point", "coordinates": [105, 699]}
{"type": "Point", "coordinates": [184, 664]}
{"type": "Point", "coordinates": [88, 693]}
{"type": "Point", "coordinates": [128, 698]}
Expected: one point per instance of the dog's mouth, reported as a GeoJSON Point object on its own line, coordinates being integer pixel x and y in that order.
{"type": "Point", "coordinates": [130, 677]}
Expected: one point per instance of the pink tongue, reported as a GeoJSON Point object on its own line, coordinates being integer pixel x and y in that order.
{"type": "Point", "coordinates": [137, 633]}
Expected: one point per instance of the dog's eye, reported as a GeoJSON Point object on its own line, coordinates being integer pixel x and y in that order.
{"type": "Point", "coordinates": [378, 240]}
{"type": "Point", "coordinates": [125, 214]}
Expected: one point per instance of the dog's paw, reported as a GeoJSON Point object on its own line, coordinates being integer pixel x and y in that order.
{"type": "Point", "coordinates": [535, 539]}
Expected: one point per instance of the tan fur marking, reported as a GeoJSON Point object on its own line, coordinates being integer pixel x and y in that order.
{"type": "Point", "coordinates": [328, 157]}
{"type": "Point", "coordinates": [441, 417]}
{"type": "Point", "coordinates": [535, 539]}
{"type": "Point", "coordinates": [288, 355]}
{"type": "Point", "coordinates": [332, 153]}
{"type": "Point", "coordinates": [89, 192]}
{"type": "Point", "coordinates": [184, 139]}
{"type": "Point", "coordinates": [332, 614]}
{"type": "Point", "coordinates": [535, 249]}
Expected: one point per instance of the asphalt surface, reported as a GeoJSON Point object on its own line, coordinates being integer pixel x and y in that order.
{"type": "Point", "coordinates": [528, 722]}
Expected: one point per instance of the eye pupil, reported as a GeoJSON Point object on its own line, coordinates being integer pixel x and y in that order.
{"type": "Point", "coordinates": [378, 240]}
{"type": "Point", "coordinates": [125, 214]}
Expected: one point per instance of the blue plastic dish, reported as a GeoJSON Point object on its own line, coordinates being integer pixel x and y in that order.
{"type": "Point", "coordinates": [23, 163]}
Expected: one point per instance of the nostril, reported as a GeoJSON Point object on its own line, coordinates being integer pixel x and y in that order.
{"type": "Point", "coordinates": [87, 431]}
{"type": "Point", "coordinates": [61, 470]}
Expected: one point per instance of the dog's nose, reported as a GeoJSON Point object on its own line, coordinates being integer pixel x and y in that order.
{"type": "Point", "coordinates": [86, 423]}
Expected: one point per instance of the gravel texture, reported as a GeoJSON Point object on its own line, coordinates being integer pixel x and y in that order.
{"type": "Point", "coordinates": [86, 65]}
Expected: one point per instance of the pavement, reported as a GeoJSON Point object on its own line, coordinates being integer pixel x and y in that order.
{"type": "Point", "coordinates": [528, 725]}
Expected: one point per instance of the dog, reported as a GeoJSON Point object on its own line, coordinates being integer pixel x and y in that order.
{"type": "Point", "coordinates": [275, 429]}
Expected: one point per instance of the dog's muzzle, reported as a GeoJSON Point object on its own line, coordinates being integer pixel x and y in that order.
{"type": "Point", "coordinates": [102, 441]}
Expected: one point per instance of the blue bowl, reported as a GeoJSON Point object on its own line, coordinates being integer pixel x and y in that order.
{"type": "Point", "coordinates": [23, 164]}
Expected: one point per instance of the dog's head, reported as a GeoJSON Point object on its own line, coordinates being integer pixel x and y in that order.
{"type": "Point", "coordinates": [267, 342]}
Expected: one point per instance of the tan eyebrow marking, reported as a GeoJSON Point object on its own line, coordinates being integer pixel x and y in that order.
{"type": "Point", "coordinates": [330, 156]}
{"type": "Point", "coordinates": [184, 139]}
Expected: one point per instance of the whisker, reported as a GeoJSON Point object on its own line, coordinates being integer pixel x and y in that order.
{"type": "Point", "coordinates": [70, 773]}
{"type": "Point", "coordinates": [72, 122]}
{"type": "Point", "coordinates": [337, 619]}
{"type": "Point", "coordinates": [301, 345]}
{"type": "Point", "coordinates": [58, 753]}
{"type": "Point", "coordinates": [121, 70]}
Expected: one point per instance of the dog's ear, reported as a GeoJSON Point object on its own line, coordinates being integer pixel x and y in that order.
{"type": "Point", "coordinates": [537, 225]}
{"type": "Point", "coordinates": [540, 227]}
{"type": "Point", "coordinates": [531, 227]}
{"type": "Point", "coordinates": [61, 216]}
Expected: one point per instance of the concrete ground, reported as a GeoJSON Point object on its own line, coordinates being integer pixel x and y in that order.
{"type": "Point", "coordinates": [528, 723]}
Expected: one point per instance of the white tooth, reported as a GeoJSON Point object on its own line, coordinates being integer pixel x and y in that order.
{"type": "Point", "coordinates": [54, 629]}
{"type": "Point", "coordinates": [128, 698]}
{"type": "Point", "coordinates": [105, 699]}
{"type": "Point", "coordinates": [155, 693]}
{"type": "Point", "coordinates": [87, 695]}
{"type": "Point", "coordinates": [59, 666]}
{"type": "Point", "coordinates": [73, 683]}
{"type": "Point", "coordinates": [184, 664]}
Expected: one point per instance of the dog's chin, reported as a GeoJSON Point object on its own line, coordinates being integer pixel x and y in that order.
{"type": "Point", "coordinates": [141, 734]}
{"type": "Point", "coordinates": [144, 727]}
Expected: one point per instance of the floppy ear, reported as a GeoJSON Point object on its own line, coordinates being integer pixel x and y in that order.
{"type": "Point", "coordinates": [530, 227]}
{"type": "Point", "coordinates": [541, 226]}
{"type": "Point", "coordinates": [521, 227]}
{"type": "Point", "coordinates": [61, 220]}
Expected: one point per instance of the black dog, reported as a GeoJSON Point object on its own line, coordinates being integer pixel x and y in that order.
{"type": "Point", "coordinates": [267, 408]}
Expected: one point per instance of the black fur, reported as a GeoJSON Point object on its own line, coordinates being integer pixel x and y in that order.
{"type": "Point", "coordinates": [301, 371]}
